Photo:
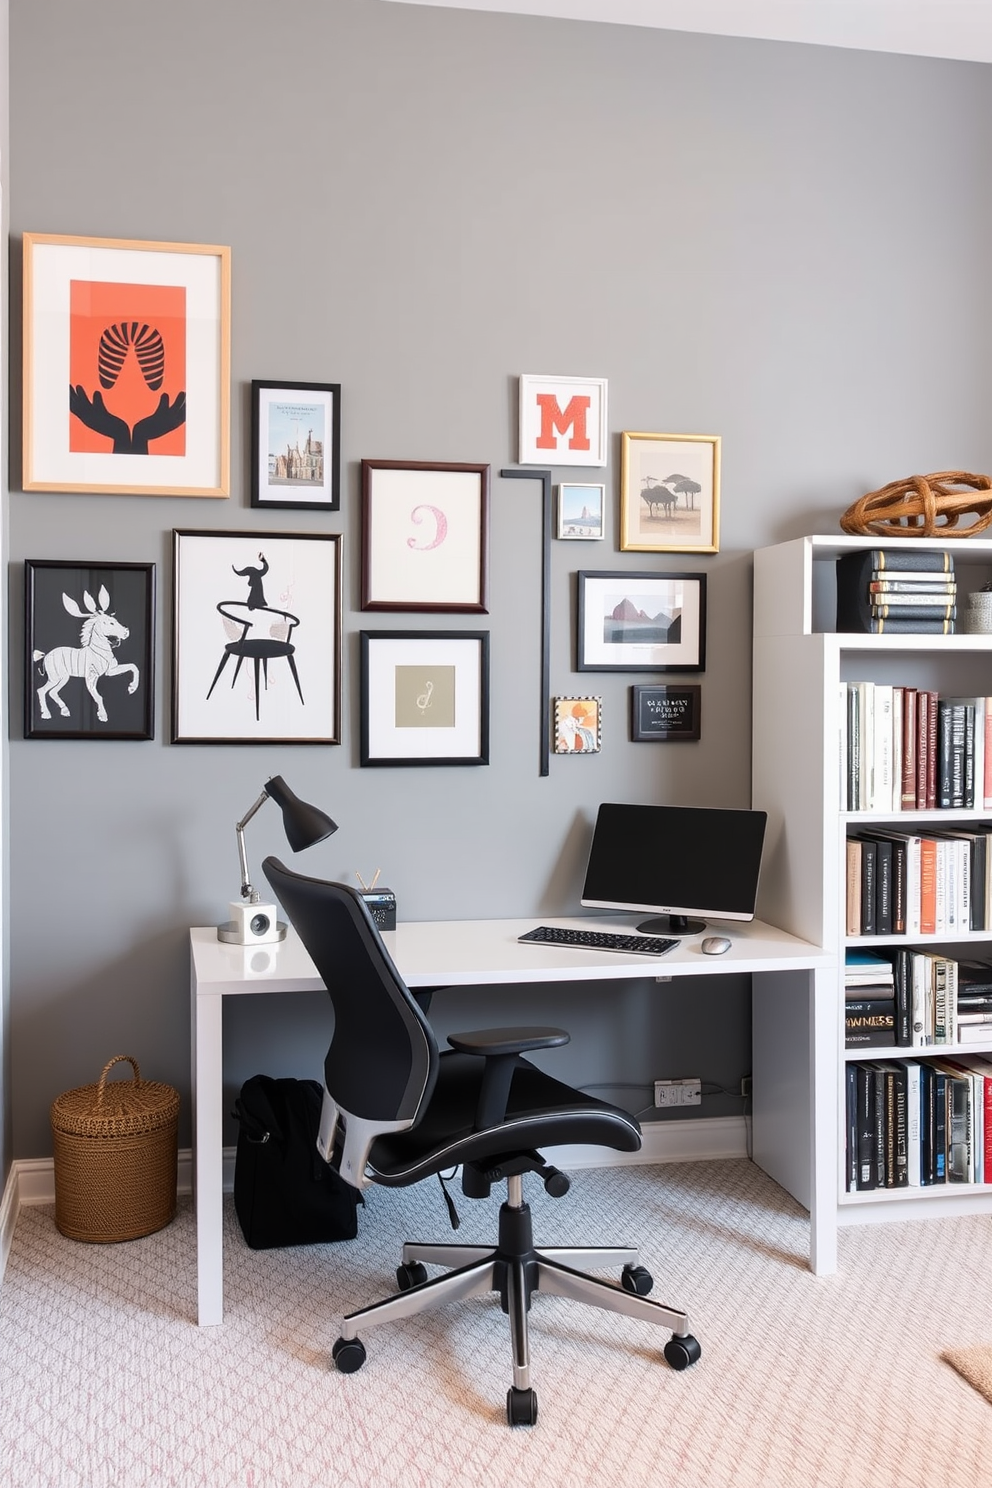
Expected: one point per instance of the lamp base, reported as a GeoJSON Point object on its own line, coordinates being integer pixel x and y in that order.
{"type": "Point", "coordinates": [251, 924]}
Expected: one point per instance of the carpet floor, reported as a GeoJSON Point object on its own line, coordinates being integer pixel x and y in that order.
{"type": "Point", "coordinates": [804, 1381]}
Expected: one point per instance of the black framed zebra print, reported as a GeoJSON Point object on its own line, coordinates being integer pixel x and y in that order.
{"type": "Point", "coordinates": [89, 668]}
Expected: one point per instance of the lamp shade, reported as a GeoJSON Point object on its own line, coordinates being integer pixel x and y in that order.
{"type": "Point", "coordinates": [304, 824]}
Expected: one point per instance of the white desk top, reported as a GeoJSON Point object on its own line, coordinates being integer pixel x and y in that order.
{"type": "Point", "coordinates": [452, 953]}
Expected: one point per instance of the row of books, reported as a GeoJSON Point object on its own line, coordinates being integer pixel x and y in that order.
{"type": "Point", "coordinates": [916, 1000]}
{"type": "Point", "coordinates": [909, 749]}
{"type": "Point", "coordinates": [930, 882]}
{"type": "Point", "coordinates": [914, 1124]}
{"type": "Point", "coordinates": [884, 591]}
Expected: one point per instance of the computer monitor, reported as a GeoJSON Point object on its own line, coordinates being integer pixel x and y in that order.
{"type": "Point", "coordinates": [676, 862]}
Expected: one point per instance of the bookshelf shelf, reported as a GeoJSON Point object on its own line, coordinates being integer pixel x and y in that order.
{"type": "Point", "coordinates": [801, 663]}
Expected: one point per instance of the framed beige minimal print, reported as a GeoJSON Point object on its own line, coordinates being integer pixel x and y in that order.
{"type": "Point", "coordinates": [126, 385]}
{"type": "Point", "coordinates": [425, 697]}
{"type": "Point", "coordinates": [670, 493]}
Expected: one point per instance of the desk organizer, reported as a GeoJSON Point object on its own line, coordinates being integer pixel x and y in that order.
{"type": "Point", "coordinates": [116, 1155]}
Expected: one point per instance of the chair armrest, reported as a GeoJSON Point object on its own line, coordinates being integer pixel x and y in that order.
{"type": "Point", "coordinates": [501, 1049]}
{"type": "Point", "coordinates": [494, 1041]}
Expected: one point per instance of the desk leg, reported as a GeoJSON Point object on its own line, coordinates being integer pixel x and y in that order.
{"type": "Point", "coordinates": [796, 1131]}
{"type": "Point", "coordinates": [208, 1156]}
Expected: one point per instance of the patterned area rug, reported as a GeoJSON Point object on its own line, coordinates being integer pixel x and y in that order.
{"type": "Point", "coordinates": [837, 1382]}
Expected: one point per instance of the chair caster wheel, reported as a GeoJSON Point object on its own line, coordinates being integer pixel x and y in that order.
{"type": "Point", "coordinates": [410, 1274]}
{"type": "Point", "coordinates": [521, 1407]}
{"type": "Point", "coordinates": [637, 1279]}
{"type": "Point", "coordinates": [681, 1352]}
{"type": "Point", "coordinates": [348, 1355]}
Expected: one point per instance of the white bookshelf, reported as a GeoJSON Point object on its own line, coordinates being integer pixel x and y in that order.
{"type": "Point", "coordinates": [800, 662]}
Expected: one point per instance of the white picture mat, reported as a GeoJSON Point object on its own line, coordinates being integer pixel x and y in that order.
{"type": "Point", "coordinates": [305, 398]}
{"type": "Point", "coordinates": [601, 597]}
{"type": "Point", "coordinates": [386, 741]}
{"type": "Point", "coordinates": [407, 562]}
{"type": "Point", "coordinates": [54, 267]}
{"type": "Point", "coordinates": [563, 389]}
{"type": "Point", "coordinates": [302, 579]}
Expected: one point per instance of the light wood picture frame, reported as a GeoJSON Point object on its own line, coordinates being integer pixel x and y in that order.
{"type": "Point", "coordinates": [669, 493]}
{"type": "Point", "coordinates": [126, 386]}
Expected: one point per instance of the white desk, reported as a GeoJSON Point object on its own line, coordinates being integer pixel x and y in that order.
{"type": "Point", "coordinates": [794, 993]}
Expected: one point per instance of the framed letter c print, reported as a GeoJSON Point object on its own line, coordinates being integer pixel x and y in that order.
{"type": "Point", "coordinates": [425, 533]}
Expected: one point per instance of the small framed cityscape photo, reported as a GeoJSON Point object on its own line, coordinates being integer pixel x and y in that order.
{"type": "Point", "coordinates": [580, 511]}
{"type": "Point", "coordinates": [295, 445]}
{"type": "Point", "coordinates": [664, 715]}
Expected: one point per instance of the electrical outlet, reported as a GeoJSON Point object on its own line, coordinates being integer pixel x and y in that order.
{"type": "Point", "coordinates": [668, 1093]}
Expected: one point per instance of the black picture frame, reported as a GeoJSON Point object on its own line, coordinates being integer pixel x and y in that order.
{"type": "Point", "coordinates": [425, 536]}
{"type": "Point", "coordinates": [308, 479]}
{"type": "Point", "coordinates": [404, 673]}
{"type": "Point", "coordinates": [108, 611]}
{"type": "Point", "coordinates": [662, 714]}
{"type": "Point", "coordinates": [641, 622]}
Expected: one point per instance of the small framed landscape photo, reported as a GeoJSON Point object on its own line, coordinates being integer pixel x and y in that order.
{"type": "Point", "coordinates": [664, 714]}
{"type": "Point", "coordinates": [670, 493]}
{"type": "Point", "coordinates": [577, 725]}
{"type": "Point", "coordinates": [425, 697]}
{"type": "Point", "coordinates": [425, 536]}
{"type": "Point", "coordinates": [295, 445]}
{"type": "Point", "coordinates": [89, 669]}
{"type": "Point", "coordinates": [580, 511]}
{"type": "Point", "coordinates": [641, 622]}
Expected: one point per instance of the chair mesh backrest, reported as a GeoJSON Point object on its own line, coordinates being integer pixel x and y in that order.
{"type": "Point", "coordinates": [382, 1062]}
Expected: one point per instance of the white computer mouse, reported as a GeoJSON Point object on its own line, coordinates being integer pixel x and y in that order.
{"type": "Point", "coordinates": [715, 945]}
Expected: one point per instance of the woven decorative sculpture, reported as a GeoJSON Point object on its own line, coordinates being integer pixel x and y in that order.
{"type": "Point", "coordinates": [922, 506]}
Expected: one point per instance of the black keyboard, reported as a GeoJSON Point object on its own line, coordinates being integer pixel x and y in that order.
{"type": "Point", "coordinates": [599, 940]}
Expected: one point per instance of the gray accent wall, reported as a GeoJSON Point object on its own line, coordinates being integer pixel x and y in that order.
{"type": "Point", "coordinates": [784, 245]}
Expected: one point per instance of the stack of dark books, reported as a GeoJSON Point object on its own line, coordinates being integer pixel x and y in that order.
{"type": "Point", "coordinates": [903, 590]}
{"type": "Point", "coordinates": [870, 1013]}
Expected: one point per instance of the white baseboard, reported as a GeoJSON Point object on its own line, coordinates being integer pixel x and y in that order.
{"type": "Point", "coordinates": [32, 1180]}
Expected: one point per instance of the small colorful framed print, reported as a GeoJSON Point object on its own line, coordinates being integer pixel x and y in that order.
{"type": "Point", "coordinates": [670, 493]}
{"type": "Point", "coordinates": [578, 727]}
{"type": "Point", "coordinates": [256, 638]}
{"type": "Point", "coordinates": [126, 367]}
{"type": "Point", "coordinates": [641, 622]}
{"type": "Point", "coordinates": [425, 697]}
{"type": "Point", "coordinates": [563, 420]}
{"type": "Point", "coordinates": [295, 445]}
{"type": "Point", "coordinates": [580, 511]}
{"type": "Point", "coordinates": [425, 536]}
{"type": "Point", "coordinates": [89, 668]}
{"type": "Point", "coordinates": [664, 715]}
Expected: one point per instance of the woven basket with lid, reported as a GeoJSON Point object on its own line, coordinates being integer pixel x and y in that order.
{"type": "Point", "coordinates": [116, 1154]}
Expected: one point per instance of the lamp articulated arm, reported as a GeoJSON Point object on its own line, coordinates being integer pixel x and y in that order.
{"type": "Point", "coordinates": [248, 893]}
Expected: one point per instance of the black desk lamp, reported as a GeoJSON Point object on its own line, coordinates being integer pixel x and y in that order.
{"type": "Point", "coordinates": [252, 922]}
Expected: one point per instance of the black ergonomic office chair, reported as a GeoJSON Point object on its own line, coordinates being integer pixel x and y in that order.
{"type": "Point", "coordinates": [397, 1111]}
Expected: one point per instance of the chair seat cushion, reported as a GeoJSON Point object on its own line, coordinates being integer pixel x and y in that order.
{"type": "Point", "coordinates": [541, 1112]}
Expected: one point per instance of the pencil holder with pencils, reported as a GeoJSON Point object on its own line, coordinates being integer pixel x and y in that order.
{"type": "Point", "coordinates": [381, 902]}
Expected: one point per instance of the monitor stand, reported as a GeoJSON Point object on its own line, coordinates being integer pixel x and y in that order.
{"type": "Point", "coordinates": [671, 924]}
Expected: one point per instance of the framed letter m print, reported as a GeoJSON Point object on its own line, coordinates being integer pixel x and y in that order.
{"type": "Point", "coordinates": [562, 420]}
